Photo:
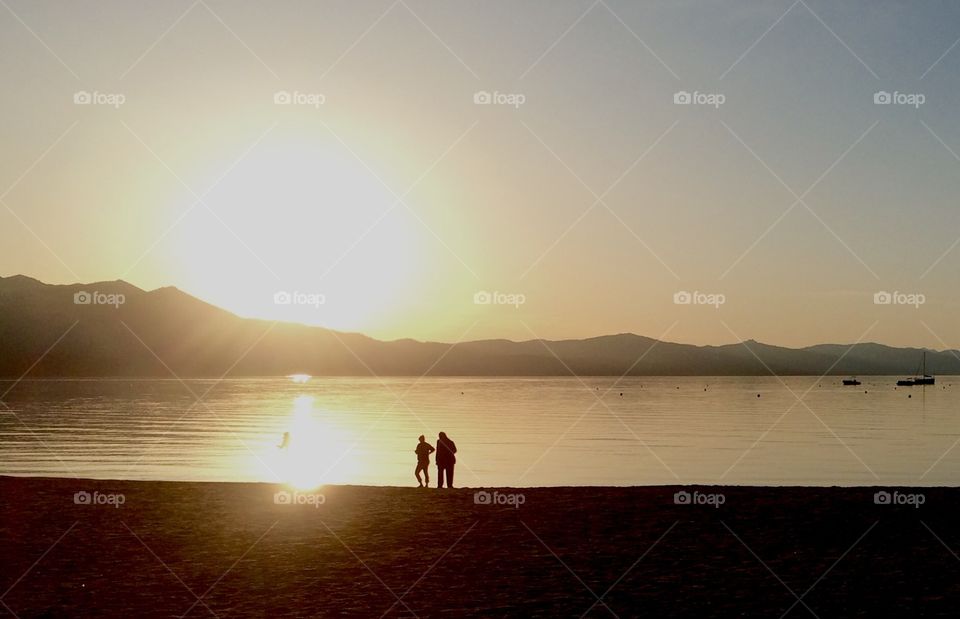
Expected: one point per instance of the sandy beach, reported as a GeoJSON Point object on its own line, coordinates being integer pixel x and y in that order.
{"type": "Point", "coordinates": [166, 549]}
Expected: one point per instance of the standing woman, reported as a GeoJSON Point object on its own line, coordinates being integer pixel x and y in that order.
{"type": "Point", "coordinates": [445, 460]}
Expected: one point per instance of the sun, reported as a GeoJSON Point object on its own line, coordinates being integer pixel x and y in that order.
{"type": "Point", "coordinates": [302, 230]}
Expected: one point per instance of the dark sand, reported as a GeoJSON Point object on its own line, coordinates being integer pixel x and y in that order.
{"type": "Point", "coordinates": [445, 556]}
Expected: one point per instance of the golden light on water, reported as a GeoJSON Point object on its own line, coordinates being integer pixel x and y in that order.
{"type": "Point", "coordinates": [300, 378]}
{"type": "Point", "coordinates": [316, 451]}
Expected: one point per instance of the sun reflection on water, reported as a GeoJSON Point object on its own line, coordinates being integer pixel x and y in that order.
{"type": "Point", "coordinates": [316, 451]}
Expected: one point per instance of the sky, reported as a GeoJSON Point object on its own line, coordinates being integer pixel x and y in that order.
{"type": "Point", "coordinates": [463, 170]}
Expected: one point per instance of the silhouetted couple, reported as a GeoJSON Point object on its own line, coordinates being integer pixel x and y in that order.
{"type": "Point", "coordinates": [445, 460]}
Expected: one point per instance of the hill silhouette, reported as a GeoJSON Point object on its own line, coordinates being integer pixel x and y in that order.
{"type": "Point", "coordinates": [166, 332]}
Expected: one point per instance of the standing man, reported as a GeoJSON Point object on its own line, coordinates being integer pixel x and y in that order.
{"type": "Point", "coordinates": [446, 449]}
{"type": "Point", "coordinates": [423, 451]}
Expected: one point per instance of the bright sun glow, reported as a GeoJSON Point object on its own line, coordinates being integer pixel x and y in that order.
{"type": "Point", "coordinates": [299, 378]}
{"type": "Point", "coordinates": [307, 218]}
{"type": "Point", "coordinates": [316, 450]}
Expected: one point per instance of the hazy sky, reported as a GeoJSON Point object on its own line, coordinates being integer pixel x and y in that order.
{"type": "Point", "coordinates": [385, 188]}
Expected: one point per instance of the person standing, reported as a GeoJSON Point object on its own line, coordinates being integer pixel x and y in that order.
{"type": "Point", "coordinates": [446, 458]}
{"type": "Point", "coordinates": [423, 451]}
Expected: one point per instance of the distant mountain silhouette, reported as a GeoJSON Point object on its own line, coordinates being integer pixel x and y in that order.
{"type": "Point", "coordinates": [166, 332]}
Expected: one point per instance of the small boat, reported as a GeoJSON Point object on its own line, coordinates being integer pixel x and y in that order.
{"type": "Point", "coordinates": [922, 378]}
{"type": "Point", "coordinates": [851, 381]}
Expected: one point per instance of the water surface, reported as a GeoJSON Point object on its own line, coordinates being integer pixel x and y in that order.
{"type": "Point", "coordinates": [509, 431]}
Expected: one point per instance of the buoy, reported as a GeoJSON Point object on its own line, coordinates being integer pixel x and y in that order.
{"type": "Point", "coordinates": [909, 395]}
{"type": "Point", "coordinates": [621, 394]}
{"type": "Point", "coordinates": [758, 395]}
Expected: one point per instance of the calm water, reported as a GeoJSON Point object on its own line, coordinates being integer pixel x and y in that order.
{"type": "Point", "coordinates": [510, 432]}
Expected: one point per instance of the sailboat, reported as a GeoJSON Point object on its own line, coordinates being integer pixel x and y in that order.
{"type": "Point", "coordinates": [921, 379]}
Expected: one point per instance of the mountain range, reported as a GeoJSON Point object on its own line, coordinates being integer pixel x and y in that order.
{"type": "Point", "coordinates": [49, 330]}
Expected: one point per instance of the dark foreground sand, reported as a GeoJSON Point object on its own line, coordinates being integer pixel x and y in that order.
{"type": "Point", "coordinates": [201, 549]}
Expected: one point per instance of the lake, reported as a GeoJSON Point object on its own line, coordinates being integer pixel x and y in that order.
{"type": "Point", "coordinates": [509, 431]}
